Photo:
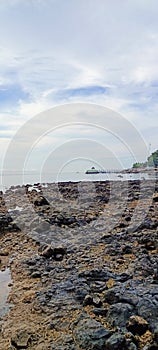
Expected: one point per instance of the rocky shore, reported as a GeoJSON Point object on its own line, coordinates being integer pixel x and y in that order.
{"type": "Point", "coordinates": [84, 266]}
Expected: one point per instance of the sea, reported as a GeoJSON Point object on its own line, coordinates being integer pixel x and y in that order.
{"type": "Point", "coordinates": [14, 178]}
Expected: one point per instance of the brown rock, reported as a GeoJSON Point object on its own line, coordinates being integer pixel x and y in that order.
{"type": "Point", "coordinates": [21, 339]}
{"type": "Point", "coordinates": [110, 283]}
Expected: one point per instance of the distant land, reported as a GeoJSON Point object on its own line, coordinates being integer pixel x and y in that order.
{"type": "Point", "coordinates": [151, 162]}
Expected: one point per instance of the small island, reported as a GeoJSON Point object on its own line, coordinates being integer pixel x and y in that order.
{"type": "Point", "coordinates": [92, 171]}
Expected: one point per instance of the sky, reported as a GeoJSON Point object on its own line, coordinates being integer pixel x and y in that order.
{"type": "Point", "coordinates": [91, 57]}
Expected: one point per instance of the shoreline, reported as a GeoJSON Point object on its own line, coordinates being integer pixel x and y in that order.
{"type": "Point", "coordinates": [13, 178]}
{"type": "Point", "coordinates": [84, 265]}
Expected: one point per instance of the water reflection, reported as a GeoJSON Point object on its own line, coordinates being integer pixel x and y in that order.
{"type": "Point", "coordinates": [5, 279]}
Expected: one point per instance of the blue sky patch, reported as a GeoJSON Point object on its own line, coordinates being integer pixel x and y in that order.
{"type": "Point", "coordinates": [11, 94]}
{"type": "Point", "coordinates": [82, 92]}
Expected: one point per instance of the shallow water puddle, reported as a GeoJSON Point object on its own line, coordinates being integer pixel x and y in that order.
{"type": "Point", "coordinates": [5, 279]}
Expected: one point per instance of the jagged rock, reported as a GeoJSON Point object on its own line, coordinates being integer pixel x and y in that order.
{"type": "Point", "coordinates": [119, 313]}
{"type": "Point", "coordinates": [100, 311]}
{"type": "Point", "coordinates": [90, 334]}
{"type": "Point", "coordinates": [137, 325]}
{"type": "Point", "coordinates": [148, 309]}
{"type": "Point", "coordinates": [111, 273]}
{"type": "Point", "coordinates": [131, 346]}
{"type": "Point", "coordinates": [88, 300]}
{"type": "Point", "coordinates": [116, 342]}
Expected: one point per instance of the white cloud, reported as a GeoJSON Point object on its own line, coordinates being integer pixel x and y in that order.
{"type": "Point", "coordinates": [29, 110]}
{"type": "Point", "coordinates": [50, 48]}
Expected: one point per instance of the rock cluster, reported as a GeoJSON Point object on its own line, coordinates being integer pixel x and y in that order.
{"type": "Point", "coordinates": [90, 266]}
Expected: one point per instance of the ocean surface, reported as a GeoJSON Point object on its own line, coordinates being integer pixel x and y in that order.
{"type": "Point", "coordinates": [5, 279]}
{"type": "Point", "coordinates": [14, 178]}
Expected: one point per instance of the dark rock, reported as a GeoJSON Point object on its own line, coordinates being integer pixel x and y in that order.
{"type": "Point", "coordinates": [96, 275]}
{"type": "Point", "coordinates": [155, 197]}
{"type": "Point", "coordinates": [151, 347]}
{"type": "Point", "coordinates": [56, 253]}
{"type": "Point", "coordinates": [6, 223]}
{"type": "Point", "coordinates": [123, 277]}
{"type": "Point", "coordinates": [39, 201]}
{"type": "Point", "coordinates": [119, 313]}
{"type": "Point", "coordinates": [59, 252]}
{"type": "Point", "coordinates": [116, 342]}
{"type": "Point", "coordinates": [33, 261]}
{"type": "Point", "coordinates": [48, 252]}
{"type": "Point", "coordinates": [90, 334]}
{"type": "Point", "coordinates": [58, 257]}
{"type": "Point", "coordinates": [120, 294]}
{"type": "Point", "coordinates": [80, 294]}
{"type": "Point", "coordinates": [128, 218]}
{"type": "Point", "coordinates": [111, 296]}
{"type": "Point", "coordinates": [65, 342]}
{"type": "Point", "coordinates": [36, 274]}
{"type": "Point", "coordinates": [88, 300]}
{"type": "Point", "coordinates": [143, 266]}
{"type": "Point", "coordinates": [121, 290]}
{"type": "Point", "coordinates": [4, 252]}
{"type": "Point", "coordinates": [97, 302]}
{"type": "Point", "coordinates": [98, 286]}
{"type": "Point", "coordinates": [127, 249]}
{"type": "Point", "coordinates": [148, 309]}
{"type": "Point", "coordinates": [137, 325]}
{"type": "Point", "coordinates": [148, 224]}
{"type": "Point", "coordinates": [131, 346]}
{"type": "Point", "coordinates": [155, 332]}
{"type": "Point", "coordinates": [100, 311]}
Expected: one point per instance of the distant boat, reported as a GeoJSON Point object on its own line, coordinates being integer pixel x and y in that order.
{"type": "Point", "coordinates": [92, 171]}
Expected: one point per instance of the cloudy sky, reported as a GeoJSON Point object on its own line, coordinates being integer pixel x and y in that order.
{"type": "Point", "coordinates": [100, 52]}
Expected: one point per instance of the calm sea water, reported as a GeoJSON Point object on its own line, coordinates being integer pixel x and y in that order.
{"type": "Point", "coordinates": [18, 178]}
{"type": "Point", "coordinates": [5, 279]}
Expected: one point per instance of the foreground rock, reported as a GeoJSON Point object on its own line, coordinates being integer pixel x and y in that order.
{"type": "Point", "coordinates": [84, 270]}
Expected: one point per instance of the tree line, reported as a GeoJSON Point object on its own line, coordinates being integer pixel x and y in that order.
{"type": "Point", "coordinates": [152, 161]}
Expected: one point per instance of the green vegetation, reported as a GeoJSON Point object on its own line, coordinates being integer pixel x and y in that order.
{"type": "Point", "coordinates": [152, 161]}
{"type": "Point", "coordinates": [138, 165]}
